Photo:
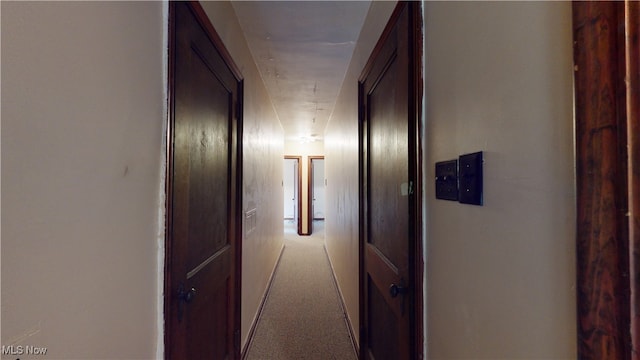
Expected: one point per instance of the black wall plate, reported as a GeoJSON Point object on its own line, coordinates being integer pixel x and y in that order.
{"type": "Point", "coordinates": [447, 180]}
{"type": "Point", "coordinates": [470, 172]}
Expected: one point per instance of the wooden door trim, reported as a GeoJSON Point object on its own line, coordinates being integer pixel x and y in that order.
{"type": "Point", "coordinates": [386, 32]}
{"type": "Point", "coordinates": [416, 263]}
{"type": "Point", "coordinates": [168, 216]}
{"type": "Point", "coordinates": [607, 80]}
{"type": "Point", "coordinates": [416, 166]}
{"type": "Point", "coordinates": [299, 194]}
{"type": "Point", "coordinates": [633, 142]}
{"type": "Point", "coordinates": [235, 186]}
{"type": "Point", "coordinates": [202, 17]}
{"type": "Point", "coordinates": [310, 191]}
{"type": "Point", "coordinates": [362, 215]}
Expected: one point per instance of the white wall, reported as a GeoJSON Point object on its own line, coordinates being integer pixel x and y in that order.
{"type": "Point", "coordinates": [83, 117]}
{"type": "Point", "coordinates": [262, 166]}
{"type": "Point", "coordinates": [501, 277]}
{"type": "Point", "coordinates": [341, 166]}
{"type": "Point", "coordinates": [84, 112]}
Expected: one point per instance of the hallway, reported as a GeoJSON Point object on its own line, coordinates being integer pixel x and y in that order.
{"type": "Point", "coordinates": [85, 161]}
{"type": "Point", "coordinates": [302, 317]}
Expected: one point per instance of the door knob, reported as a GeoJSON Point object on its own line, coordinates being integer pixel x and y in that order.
{"type": "Point", "coordinates": [184, 297]}
{"type": "Point", "coordinates": [394, 290]}
{"type": "Point", "coordinates": [187, 296]}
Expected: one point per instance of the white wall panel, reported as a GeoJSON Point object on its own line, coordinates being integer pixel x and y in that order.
{"type": "Point", "coordinates": [83, 119]}
{"type": "Point", "coordinates": [501, 277]}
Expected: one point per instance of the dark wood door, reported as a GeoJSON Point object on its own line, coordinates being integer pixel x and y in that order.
{"type": "Point", "coordinates": [390, 196]}
{"type": "Point", "coordinates": [202, 286]}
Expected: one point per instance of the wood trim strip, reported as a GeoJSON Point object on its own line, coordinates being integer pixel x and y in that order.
{"type": "Point", "coordinates": [202, 17]}
{"type": "Point", "coordinates": [217, 254]}
{"type": "Point", "coordinates": [239, 169]}
{"type": "Point", "coordinates": [606, 163]}
{"type": "Point", "coordinates": [416, 132]}
{"type": "Point", "coordinates": [310, 191]}
{"type": "Point", "coordinates": [393, 19]}
{"type": "Point", "coordinates": [362, 214]}
{"type": "Point", "coordinates": [168, 223]}
{"type": "Point", "coordinates": [632, 26]}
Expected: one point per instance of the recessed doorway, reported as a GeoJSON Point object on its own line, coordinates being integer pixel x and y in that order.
{"type": "Point", "coordinates": [317, 184]}
{"type": "Point", "coordinates": [291, 183]}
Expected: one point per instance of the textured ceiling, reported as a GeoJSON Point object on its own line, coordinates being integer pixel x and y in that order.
{"type": "Point", "coordinates": [302, 49]}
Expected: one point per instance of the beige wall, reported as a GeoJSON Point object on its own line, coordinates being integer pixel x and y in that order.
{"type": "Point", "coordinates": [83, 116]}
{"type": "Point", "coordinates": [83, 110]}
{"type": "Point", "coordinates": [262, 168]}
{"type": "Point", "coordinates": [501, 278]}
{"type": "Point", "coordinates": [341, 165]}
{"type": "Point", "coordinates": [295, 148]}
{"type": "Point", "coordinates": [82, 159]}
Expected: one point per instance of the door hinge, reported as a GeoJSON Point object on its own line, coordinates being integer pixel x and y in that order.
{"type": "Point", "coordinates": [410, 187]}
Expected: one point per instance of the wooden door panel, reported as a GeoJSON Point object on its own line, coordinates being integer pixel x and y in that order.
{"type": "Point", "coordinates": [383, 327]}
{"type": "Point", "coordinates": [389, 208]}
{"type": "Point", "coordinates": [202, 313]}
{"type": "Point", "coordinates": [383, 273]}
{"type": "Point", "coordinates": [208, 307]}
{"type": "Point", "coordinates": [208, 134]}
{"type": "Point", "coordinates": [388, 165]}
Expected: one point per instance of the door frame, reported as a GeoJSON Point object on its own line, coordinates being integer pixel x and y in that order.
{"type": "Point", "coordinates": [607, 133]}
{"type": "Point", "coordinates": [416, 156]}
{"type": "Point", "coordinates": [298, 191]}
{"type": "Point", "coordinates": [310, 193]}
{"type": "Point", "coordinates": [236, 186]}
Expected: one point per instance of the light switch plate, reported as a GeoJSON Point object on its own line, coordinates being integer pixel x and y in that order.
{"type": "Point", "coordinates": [447, 180]}
{"type": "Point", "coordinates": [471, 183]}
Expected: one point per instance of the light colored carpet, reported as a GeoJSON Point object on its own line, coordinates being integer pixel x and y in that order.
{"type": "Point", "coordinates": [302, 317]}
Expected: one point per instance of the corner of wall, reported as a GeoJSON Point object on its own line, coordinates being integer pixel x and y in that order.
{"type": "Point", "coordinates": [161, 218]}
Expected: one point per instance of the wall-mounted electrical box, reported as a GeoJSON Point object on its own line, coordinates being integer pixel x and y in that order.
{"type": "Point", "coordinates": [447, 180]}
{"type": "Point", "coordinates": [470, 174]}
